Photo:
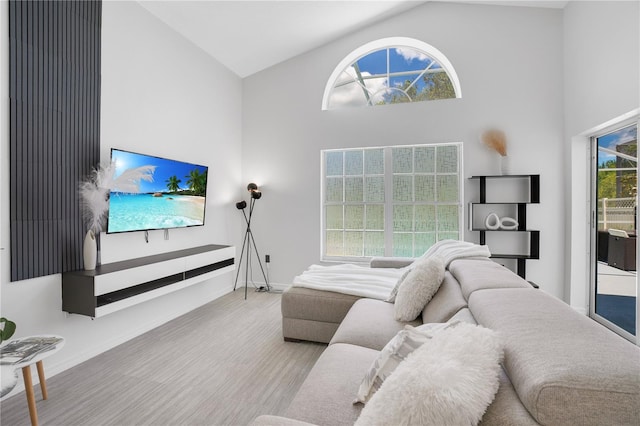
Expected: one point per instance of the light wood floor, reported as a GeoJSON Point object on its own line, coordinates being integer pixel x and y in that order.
{"type": "Point", "coordinates": [222, 364]}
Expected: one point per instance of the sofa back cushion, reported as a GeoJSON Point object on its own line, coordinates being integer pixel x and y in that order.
{"type": "Point", "coordinates": [326, 395]}
{"type": "Point", "coordinates": [565, 367]}
{"type": "Point", "coordinates": [446, 302]}
{"type": "Point", "coordinates": [479, 274]}
{"type": "Point", "coordinates": [369, 323]}
{"type": "Point", "coordinates": [463, 315]}
{"type": "Point", "coordinates": [506, 408]}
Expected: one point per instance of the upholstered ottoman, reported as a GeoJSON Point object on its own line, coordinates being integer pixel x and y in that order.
{"type": "Point", "coordinates": [313, 315]}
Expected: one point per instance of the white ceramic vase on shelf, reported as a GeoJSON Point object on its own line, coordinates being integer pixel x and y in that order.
{"type": "Point", "coordinates": [90, 251]}
{"type": "Point", "coordinates": [505, 165]}
{"type": "Point", "coordinates": [492, 222]}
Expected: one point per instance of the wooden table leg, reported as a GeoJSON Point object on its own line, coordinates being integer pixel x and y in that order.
{"type": "Point", "coordinates": [43, 380]}
{"type": "Point", "coordinates": [31, 400]}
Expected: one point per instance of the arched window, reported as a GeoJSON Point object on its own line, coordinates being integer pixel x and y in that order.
{"type": "Point", "coordinates": [389, 71]}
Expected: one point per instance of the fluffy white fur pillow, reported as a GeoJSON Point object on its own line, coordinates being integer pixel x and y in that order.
{"type": "Point", "coordinates": [450, 381]}
{"type": "Point", "coordinates": [417, 289]}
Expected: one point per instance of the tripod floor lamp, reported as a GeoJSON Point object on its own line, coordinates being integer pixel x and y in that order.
{"type": "Point", "coordinates": [249, 241]}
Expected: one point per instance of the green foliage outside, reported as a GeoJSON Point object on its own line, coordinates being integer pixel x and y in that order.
{"type": "Point", "coordinates": [437, 86]}
{"type": "Point", "coordinates": [619, 188]}
{"type": "Point", "coordinates": [618, 184]}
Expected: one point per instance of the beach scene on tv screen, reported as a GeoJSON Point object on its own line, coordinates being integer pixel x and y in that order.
{"type": "Point", "coordinates": [175, 198]}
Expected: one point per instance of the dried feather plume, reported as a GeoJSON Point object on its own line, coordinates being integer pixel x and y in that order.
{"type": "Point", "coordinates": [496, 140]}
{"type": "Point", "coordinates": [94, 191]}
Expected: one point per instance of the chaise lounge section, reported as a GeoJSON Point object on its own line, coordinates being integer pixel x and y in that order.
{"type": "Point", "coordinates": [559, 368]}
{"type": "Point", "coordinates": [313, 315]}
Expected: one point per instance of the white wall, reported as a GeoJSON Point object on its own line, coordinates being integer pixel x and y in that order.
{"type": "Point", "coordinates": [602, 83]}
{"type": "Point", "coordinates": [163, 96]}
{"type": "Point", "coordinates": [509, 61]}
{"type": "Point", "coordinates": [601, 70]}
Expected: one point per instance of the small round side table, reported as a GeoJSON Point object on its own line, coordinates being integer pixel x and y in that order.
{"type": "Point", "coordinates": [9, 376]}
{"type": "Point", "coordinates": [26, 372]}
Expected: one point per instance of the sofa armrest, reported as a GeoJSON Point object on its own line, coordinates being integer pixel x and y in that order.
{"type": "Point", "coordinates": [390, 262]}
{"type": "Point", "coordinates": [267, 420]}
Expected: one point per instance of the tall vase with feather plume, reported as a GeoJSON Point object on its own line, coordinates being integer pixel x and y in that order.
{"type": "Point", "coordinates": [496, 140]}
{"type": "Point", "coordinates": [94, 197]}
{"type": "Point", "coordinates": [90, 251]}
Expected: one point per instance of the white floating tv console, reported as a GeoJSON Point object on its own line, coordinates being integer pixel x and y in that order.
{"type": "Point", "coordinates": [115, 286]}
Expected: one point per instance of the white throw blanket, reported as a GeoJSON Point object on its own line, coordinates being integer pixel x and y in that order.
{"type": "Point", "coordinates": [450, 250]}
{"type": "Point", "coordinates": [377, 283]}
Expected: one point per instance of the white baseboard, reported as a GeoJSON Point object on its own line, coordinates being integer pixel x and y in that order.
{"type": "Point", "coordinates": [257, 284]}
{"type": "Point", "coordinates": [279, 286]}
{"type": "Point", "coordinates": [581, 310]}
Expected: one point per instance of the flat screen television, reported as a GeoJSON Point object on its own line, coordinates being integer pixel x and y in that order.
{"type": "Point", "coordinates": [175, 198]}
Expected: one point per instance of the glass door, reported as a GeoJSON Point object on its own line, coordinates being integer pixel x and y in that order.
{"type": "Point", "coordinates": [614, 279]}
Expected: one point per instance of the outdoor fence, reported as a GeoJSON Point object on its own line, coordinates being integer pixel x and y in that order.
{"type": "Point", "coordinates": [617, 213]}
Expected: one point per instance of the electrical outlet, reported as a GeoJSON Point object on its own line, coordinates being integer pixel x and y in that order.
{"type": "Point", "coordinates": [267, 258]}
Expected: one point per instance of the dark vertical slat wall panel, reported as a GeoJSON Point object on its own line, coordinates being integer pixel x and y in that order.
{"type": "Point", "coordinates": [50, 65]}
{"type": "Point", "coordinates": [54, 79]}
{"type": "Point", "coordinates": [57, 152]}
{"type": "Point", "coordinates": [14, 18]}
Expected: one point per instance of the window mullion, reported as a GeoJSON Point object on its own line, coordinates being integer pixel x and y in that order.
{"type": "Point", "coordinates": [436, 194]}
{"type": "Point", "coordinates": [388, 202]}
{"type": "Point", "coordinates": [344, 202]}
{"type": "Point", "coordinates": [388, 70]}
{"type": "Point", "coordinates": [413, 200]}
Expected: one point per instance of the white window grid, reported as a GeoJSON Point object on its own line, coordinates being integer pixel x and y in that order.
{"type": "Point", "coordinates": [387, 203]}
{"type": "Point", "coordinates": [386, 44]}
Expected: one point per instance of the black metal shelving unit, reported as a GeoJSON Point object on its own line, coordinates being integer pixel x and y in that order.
{"type": "Point", "coordinates": [521, 208]}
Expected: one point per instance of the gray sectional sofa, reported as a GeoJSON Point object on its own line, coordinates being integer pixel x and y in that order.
{"type": "Point", "coordinates": [560, 367]}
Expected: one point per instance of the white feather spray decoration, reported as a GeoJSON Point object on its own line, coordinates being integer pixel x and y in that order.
{"type": "Point", "coordinates": [94, 191]}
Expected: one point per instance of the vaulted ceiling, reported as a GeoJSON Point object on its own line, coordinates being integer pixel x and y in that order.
{"type": "Point", "coordinates": [249, 36]}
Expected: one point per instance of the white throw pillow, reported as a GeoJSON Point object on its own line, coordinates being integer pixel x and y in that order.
{"type": "Point", "coordinates": [418, 288]}
{"type": "Point", "coordinates": [394, 292]}
{"type": "Point", "coordinates": [450, 381]}
{"type": "Point", "coordinates": [398, 348]}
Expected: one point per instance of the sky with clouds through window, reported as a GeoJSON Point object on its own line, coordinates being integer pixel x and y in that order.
{"type": "Point", "coordinates": [377, 70]}
{"type": "Point", "coordinates": [611, 140]}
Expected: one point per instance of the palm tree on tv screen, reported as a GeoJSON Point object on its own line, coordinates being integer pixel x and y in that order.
{"type": "Point", "coordinates": [197, 182]}
{"type": "Point", "coordinates": [173, 183]}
